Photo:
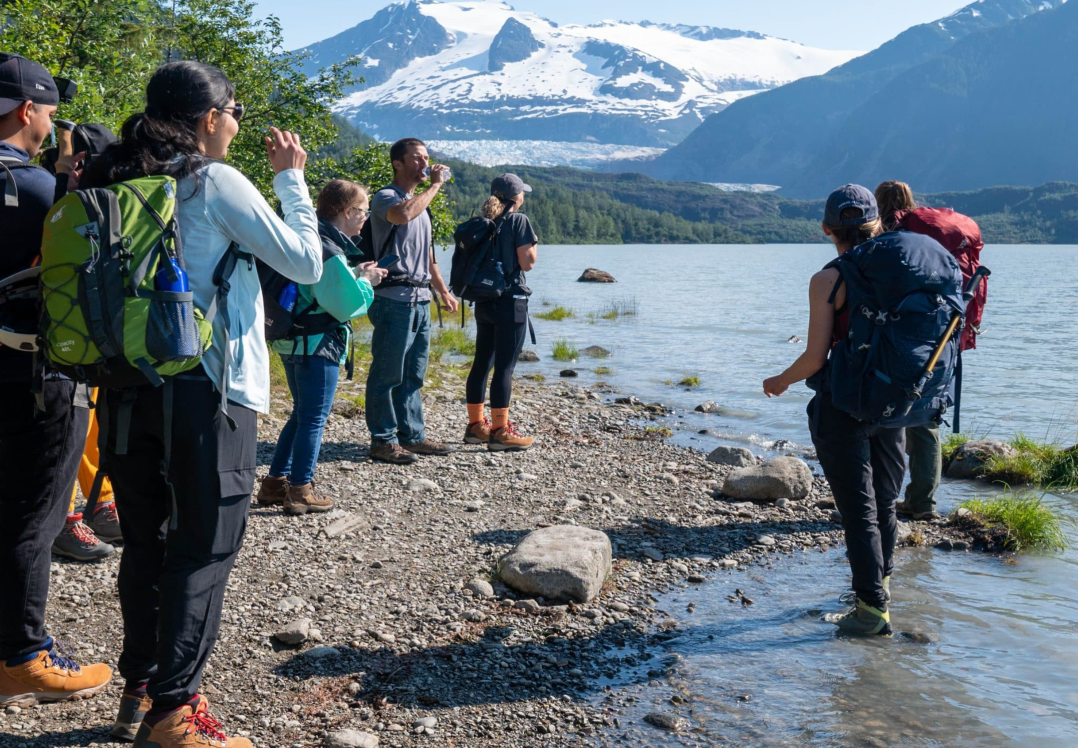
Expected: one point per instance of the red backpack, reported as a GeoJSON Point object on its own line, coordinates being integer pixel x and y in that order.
{"type": "Point", "coordinates": [961, 236]}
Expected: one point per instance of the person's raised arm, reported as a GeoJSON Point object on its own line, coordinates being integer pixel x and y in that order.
{"type": "Point", "coordinates": [821, 327]}
{"type": "Point", "coordinates": [409, 210]}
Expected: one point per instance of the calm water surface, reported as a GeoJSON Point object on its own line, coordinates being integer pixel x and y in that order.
{"type": "Point", "coordinates": [1004, 671]}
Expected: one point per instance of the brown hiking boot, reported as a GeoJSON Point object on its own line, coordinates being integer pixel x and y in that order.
{"type": "Point", "coordinates": [133, 709]}
{"type": "Point", "coordinates": [272, 491]}
{"type": "Point", "coordinates": [188, 727]}
{"type": "Point", "coordinates": [478, 432]}
{"type": "Point", "coordinates": [303, 499]}
{"type": "Point", "coordinates": [429, 448]}
{"type": "Point", "coordinates": [506, 439]}
{"type": "Point", "coordinates": [392, 453]}
{"type": "Point", "coordinates": [50, 677]}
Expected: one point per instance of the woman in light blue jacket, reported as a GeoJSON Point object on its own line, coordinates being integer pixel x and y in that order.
{"type": "Point", "coordinates": [312, 362]}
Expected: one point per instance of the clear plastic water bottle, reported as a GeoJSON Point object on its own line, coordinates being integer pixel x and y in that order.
{"type": "Point", "coordinates": [162, 281]}
{"type": "Point", "coordinates": [288, 296]}
{"type": "Point", "coordinates": [499, 266]}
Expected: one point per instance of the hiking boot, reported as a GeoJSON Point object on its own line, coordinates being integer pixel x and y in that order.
{"type": "Point", "coordinates": [478, 432]}
{"type": "Point", "coordinates": [273, 491]}
{"type": "Point", "coordinates": [133, 709]}
{"type": "Point", "coordinates": [105, 523]}
{"type": "Point", "coordinates": [392, 453]}
{"type": "Point", "coordinates": [905, 509]}
{"type": "Point", "coordinates": [303, 499]}
{"type": "Point", "coordinates": [506, 439]}
{"type": "Point", "coordinates": [862, 620]}
{"type": "Point", "coordinates": [429, 448]}
{"type": "Point", "coordinates": [50, 677]}
{"type": "Point", "coordinates": [77, 541]}
{"type": "Point", "coordinates": [190, 726]}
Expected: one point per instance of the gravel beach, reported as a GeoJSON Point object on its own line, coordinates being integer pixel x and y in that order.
{"type": "Point", "coordinates": [400, 633]}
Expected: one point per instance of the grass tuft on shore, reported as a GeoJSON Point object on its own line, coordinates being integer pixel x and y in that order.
{"type": "Point", "coordinates": [951, 443]}
{"type": "Point", "coordinates": [1030, 524]}
{"type": "Point", "coordinates": [1036, 464]}
{"type": "Point", "coordinates": [557, 314]}
{"type": "Point", "coordinates": [564, 350]}
{"type": "Point", "coordinates": [452, 339]}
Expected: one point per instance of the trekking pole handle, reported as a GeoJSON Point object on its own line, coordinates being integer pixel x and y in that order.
{"type": "Point", "coordinates": [974, 283]}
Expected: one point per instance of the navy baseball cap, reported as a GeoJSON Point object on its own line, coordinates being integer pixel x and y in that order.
{"type": "Point", "coordinates": [508, 186]}
{"type": "Point", "coordinates": [850, 196]}
{"type": "Point", "coordinates": [25, 80]}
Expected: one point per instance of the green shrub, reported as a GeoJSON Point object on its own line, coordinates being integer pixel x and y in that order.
{"type": "Point", "coordinates": [1029, 523]}
{"type": "Point", "coordinates": [564, 350]}
{"type": "Point", "coordinates": [557, 314]}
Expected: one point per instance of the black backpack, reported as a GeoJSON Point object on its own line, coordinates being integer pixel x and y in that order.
{"type": "Point", "coordinates": [289, 324]}
{"type": "Point", "coordinates": [476, 275]}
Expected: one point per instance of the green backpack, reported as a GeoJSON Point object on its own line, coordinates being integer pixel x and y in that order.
{"type": "Point", "coordinates": [103, 320]}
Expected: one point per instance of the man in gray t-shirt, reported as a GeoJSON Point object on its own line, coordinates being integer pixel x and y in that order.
{"type": "Point", "coordinates": [400, 314]}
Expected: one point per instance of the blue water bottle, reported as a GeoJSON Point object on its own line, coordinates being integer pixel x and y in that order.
{"type": "Point", "coordinates": [171, 277]}
{"type": "Point", "coordinates": [288, 296]}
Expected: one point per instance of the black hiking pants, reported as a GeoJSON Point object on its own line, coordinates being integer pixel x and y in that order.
{"type": "Point", "coordinates": [178, 552]}
{"type": "Point", "coordinates": [865, 466]}
{"type": "Point", "coordinates": [500, 327]}
{"type": "Point", "coordinates": [39, 458]}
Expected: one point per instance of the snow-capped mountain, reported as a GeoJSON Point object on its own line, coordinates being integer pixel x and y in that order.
{"type": "Point", "coordinates": [480, 70]}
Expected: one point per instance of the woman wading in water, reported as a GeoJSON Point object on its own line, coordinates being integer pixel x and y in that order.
{"type": "Point", "coordinates": [864, 464]}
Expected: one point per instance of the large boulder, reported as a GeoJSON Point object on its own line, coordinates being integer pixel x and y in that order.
{"type": "Point", "coordinates": [781, 478]}
{"type": "Point", "coordinates": [737, 457]}
{"type": "Point", "coordinates": [591, 275]}
{"type": "Point", "coordinates": [563, 562]}
{"type": "Point", "coordinates": [970, 459]}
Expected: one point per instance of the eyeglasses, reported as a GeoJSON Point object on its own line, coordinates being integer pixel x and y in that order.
{"type": "Point", "coordinates": [236, 111]}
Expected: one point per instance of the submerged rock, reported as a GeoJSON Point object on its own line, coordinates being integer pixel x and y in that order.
{"type": "Point", "coordinates": [781, 478]}
{"type": "Point", "coordinates": [568, 373]}
{"type": "Point", "coordinates": [664, 721]}
{"type": "Point", "coordinates": [595, 351]}
{"type": "Point", "coordinates": [591, 275]}
{"type": "Point", "coordinates": [561, 562]}
{"type": "Point", "coordinates": [737, 457]}
{"type": "Point", "coordinates": [528, 357]}
{"type": "Point", "coordinates": [970, 459]}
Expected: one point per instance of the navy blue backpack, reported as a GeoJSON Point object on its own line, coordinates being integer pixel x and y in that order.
{"type": "Point", "coordinates": [902, 291]}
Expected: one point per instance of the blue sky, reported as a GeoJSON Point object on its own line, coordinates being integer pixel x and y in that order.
{"type": "Point", "coordinates": [835, 24]}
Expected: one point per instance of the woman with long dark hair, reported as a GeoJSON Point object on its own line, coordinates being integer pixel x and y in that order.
{"type": "Point", "coordinates": [183, 526]}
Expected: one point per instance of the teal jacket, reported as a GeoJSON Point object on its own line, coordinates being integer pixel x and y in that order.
{"type": "Point", "coordinates": [338, 293]}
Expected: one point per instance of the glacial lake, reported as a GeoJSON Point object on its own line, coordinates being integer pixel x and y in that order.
{"type": "Point", "coordinates": [1003, 670]}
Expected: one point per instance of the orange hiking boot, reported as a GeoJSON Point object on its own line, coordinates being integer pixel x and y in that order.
{"type": "Point", "coordinates": [506, 439]}
{"type": "Point", "coordinates": [133, 709]}
{"type": "Point", "coordinates": [190, 726]}
{"type": "Point", "coordinates": [478, 432]}
{"type": "Point", "coordinates": [50, 677]}
{"type": "Point", "coordinates": [272, 491]}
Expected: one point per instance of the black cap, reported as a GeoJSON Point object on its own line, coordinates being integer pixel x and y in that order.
{"type": "Point", "coordinates": [850, 196]}
{"type": "Point", "coordinates": [508, 186]}
{"type": "Point", "coordinates": [24, 80]}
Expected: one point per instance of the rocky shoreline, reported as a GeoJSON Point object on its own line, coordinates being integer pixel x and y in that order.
{"type": "Point", "coordinates": [401, 634]}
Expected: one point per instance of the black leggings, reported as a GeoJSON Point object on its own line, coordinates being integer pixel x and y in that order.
{"type": "Point", "coordinates": [500, 327]}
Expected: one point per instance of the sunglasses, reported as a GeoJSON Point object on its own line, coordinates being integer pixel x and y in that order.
{"type": "Point", "coordinates": [236, 111]}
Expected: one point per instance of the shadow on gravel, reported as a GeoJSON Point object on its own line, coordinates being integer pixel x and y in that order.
{"type": "Point", "coordinates": [331, 452]}
{"type": "Point", "coordinates": [486, 670]}
{"type": "Point", "coordinates": [92, 736]}
{"type": "Point", "coordinates": [678, 541]}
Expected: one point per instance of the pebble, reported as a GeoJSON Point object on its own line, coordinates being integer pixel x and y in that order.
{"type": "Point", "coordinates": [422, 485]}
{"type": "Point", "coordinates": [474, 616]}
{"type": "Point", "coordinates": [651, 552]}
{"type": "Point", "coordinates": [481, 588]}
{"type": "Point", "coordinates": [766, 540]}
{"type": "Point", "coordinates": [351, 739]}
{"type": "Point", "coordinates": [294, 633]}
{"type": "Point", "coordinates": [663, 721]}
{"type": "Point", "coordinates": [697, 579]}
{"type": "Point", "coordinates": [426, 722]}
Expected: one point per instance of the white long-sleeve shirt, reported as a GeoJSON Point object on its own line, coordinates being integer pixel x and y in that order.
{"type": "Point", "coordinates": [226, 207]}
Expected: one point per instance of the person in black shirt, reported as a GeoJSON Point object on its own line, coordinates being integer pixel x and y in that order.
{"type": "Point", "coordinates": [500, 325]}
{"type": "Point", "coordinates": [39, 451]}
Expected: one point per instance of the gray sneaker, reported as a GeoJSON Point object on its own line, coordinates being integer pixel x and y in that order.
{"type": "Point", "coordinates": [904, 509]}
{"type": "Point", "coordinates": [78, 542]}
{"type": "Point", "coordinates": [106, 523]}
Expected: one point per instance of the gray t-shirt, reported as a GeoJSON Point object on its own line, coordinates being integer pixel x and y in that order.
{"type": "Point", "coordinates": [411, 242]}
{"type": "Point", "coordinates": [516, 231]}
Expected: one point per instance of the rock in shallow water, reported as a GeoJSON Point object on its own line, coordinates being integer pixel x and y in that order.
{"type": "Point", "coordinates": [781, 478]}
{"type": "Point", "coordinates": [970, 459]}
{"type": "Point", "coordinates": [591, 275]}
{"type": "Point", "coordinates": [528, 357]}
{"type": "Point", "coordinates": [664, 721]}
{"type": "Point", "coordinates": [561, 562]}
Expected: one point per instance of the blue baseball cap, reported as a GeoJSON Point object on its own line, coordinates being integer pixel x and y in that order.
{"type": "Point", "coordinates": [850, 196]}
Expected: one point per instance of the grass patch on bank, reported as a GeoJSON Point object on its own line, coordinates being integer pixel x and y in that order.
{"type": "Point", "coordinates": [951, 443]}
{"type": "Point", "coordinates": [452, 339]}
{"type": "Point", "coordinates": [1030, 524]}
{"type": "Point", "coordinates": [557, 314]}
{"type": "Point", "coordinates": [564, 350]}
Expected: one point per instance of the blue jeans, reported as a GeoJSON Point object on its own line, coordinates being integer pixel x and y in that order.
{"type": "Point", "coordinates": [400, 348]}
{"type": "Point", "coordinates": [312, 380]}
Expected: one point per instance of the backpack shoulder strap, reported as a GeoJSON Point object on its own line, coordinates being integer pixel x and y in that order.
{"type": "Point", "coordinates": [219, 304]}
